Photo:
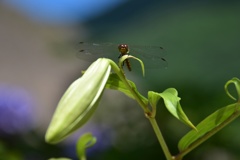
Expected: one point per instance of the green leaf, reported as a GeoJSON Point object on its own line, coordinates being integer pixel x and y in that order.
{"type": "Point", "coordinates": [153, 99]}
{"type": "Point", "coordinates": [172, 103]}
{"type": "Point", "coordinates": [213, 123]}
{"type": "Point", "coordinates": [114, 82]}
{"type": "Point", "coordinates": [123, 58]}
{"type": "Point", "coordinates": [85, 141]}
{"type": "Point", "coordinates": [209, 126]}
{"type": "Point", "coordinates": [236, 82]}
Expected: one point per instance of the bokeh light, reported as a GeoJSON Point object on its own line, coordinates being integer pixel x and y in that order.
{"type": "Point", "coordinates": [63, 12]}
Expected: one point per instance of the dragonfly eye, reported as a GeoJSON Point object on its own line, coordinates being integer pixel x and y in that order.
{"type": "Point", "coordinates": [123, 47]}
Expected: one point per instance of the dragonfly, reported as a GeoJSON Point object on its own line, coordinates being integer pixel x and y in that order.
{"type": "Point", "coordinates": [152, 56]}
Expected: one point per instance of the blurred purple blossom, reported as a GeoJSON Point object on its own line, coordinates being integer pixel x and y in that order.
{"type": "Point", "coordinates": [15, 110]}
{"type": "Point", "coordinates": [104, 137]}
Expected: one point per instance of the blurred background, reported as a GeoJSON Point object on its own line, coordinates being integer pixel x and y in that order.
{"type": "Point", "coordinates": [38, 45]}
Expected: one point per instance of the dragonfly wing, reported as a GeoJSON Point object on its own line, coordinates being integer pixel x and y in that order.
{"type": "Point", "coordinates": [93, 51]}
{"type": "Point", "coordinates": [152, 56]}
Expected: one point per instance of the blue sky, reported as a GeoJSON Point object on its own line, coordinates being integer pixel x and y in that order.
{"type": "Point", "coordinates": [62, 11]}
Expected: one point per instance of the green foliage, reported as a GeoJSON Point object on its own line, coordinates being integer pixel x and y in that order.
{"type": "Point", "coordinates": [114, 82]}
{"type": "Point", "coordinates": [117, 81]}
{"type": "Point", "coordinates": [212, 124]}
{"type": "Point", "coordinates": [172, 103]}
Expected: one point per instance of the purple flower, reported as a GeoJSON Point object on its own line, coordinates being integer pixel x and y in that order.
{"type": "Point", "coordinates": [104, 138]}
{"type": "Point", "coordinates": [103, 134]}
{"type": "Point", "coordinates": [15, 110]}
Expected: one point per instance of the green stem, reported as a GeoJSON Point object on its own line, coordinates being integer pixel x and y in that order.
{"type": "Point", "coordinates": [147, 112]}
{"type": "Point", "coordinates": [160, 138]}
{"type": "Point", "coordinates": [121, 75]}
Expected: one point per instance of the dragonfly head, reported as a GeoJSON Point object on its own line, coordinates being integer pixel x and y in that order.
{"type": "Point", "coordinates": [123, 48]}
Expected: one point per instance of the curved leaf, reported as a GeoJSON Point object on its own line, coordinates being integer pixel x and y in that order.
{"type": "Point", "coordinates": [153, 99]}
{"type": "Point", "coordinates": [85, 141]}
{"type": "Point", "coordinates": [236, 82]}
{"type": "Point", "coordinates": [123, 58]}
{"type": "Point", "coordinates": [114, 82]}
{"type": "Point", "coordinates": [172, 103]}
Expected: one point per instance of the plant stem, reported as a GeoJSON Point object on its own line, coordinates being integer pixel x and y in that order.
{"type": "Point", "coordinates": [121, 75]}
{"type": "Point", "coordinates": [160, 138]}
{"type": "Point", "coordinates": [147, 112]}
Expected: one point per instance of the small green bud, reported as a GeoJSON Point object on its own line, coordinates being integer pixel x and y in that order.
{"type": "Point", "coordinates": [79, 101]}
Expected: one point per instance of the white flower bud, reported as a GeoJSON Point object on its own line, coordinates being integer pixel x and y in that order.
{"type": "Point", "coordinates": [79, 101]}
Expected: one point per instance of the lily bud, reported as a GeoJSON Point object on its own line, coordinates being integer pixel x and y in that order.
{"type": "Point", "coordinates": [79, 101]}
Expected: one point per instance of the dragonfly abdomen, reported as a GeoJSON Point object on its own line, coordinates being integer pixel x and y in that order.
{"type": "Point", "coordinates": [128, 64]}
